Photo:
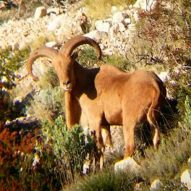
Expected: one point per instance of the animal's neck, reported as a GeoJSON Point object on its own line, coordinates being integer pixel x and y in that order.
{"type": "Point", "coordinates": [68, 110]}
{"type": "Point", "coordinates": [84, 78]}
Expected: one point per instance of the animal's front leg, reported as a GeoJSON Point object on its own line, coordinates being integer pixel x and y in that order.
{"type": "Point", "coordinates": [96, 127]}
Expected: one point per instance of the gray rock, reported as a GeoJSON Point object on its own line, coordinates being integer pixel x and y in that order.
{"type": "Point", "coordinates": [114, 9]}
{"type": "Point", "coordinates": [113, 30]}
{"type": "Point", "coordinates": [128, 165]}
{"type": "Point", "coordinates": [95, 35]}
{"type": "Point", "coordinates": [122, 27]}
{"type": "Point", "coordinates": [156, 185]}
{"type": "Point", "coordinates": [40, 12]}
{"type": "Point", "coordinates": [118, 17]}
{"type": "Point", "coordinates": [127, 21]}
{"type": "Point", "coordinates": [164, 76]}
{"type": "Point", "coordinates": [146, 5]}
{"type": "Point", "coordinates": [53, 25]}
{"type": "Point", "coordinates": [102, 26]}
{"type": "Point", "coordinates": [57, 22]}
{"type": "Point", "coordinates": [189, 161]}
{"type": "Point", "coordinates": [186, 178]}
{"type": "Point", "coordinates": [107, 51]}
{"type": "Point", "coordinates": [51, 44]}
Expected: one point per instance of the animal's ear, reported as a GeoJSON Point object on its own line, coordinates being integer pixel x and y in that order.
{"type": "Point", "coordinates": [75, 55]}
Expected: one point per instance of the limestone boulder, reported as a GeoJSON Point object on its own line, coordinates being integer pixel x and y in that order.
{"type": "Point", "coordinates": [118, 17]}
{"type": "Point", "coordinates": [51, 44]}
{"type": "Point", "coordinates": [186, 178]}
{"type": "Point", "coordinates": [156, 185]}
{"type": "Point", "coordinates": [40, 12]}
{"type": "Point", "coordinates": [56, 22]}
{"type": "Point", "coordinates": [95, 35]}
{"type": "Point", "coordinates": [146, 5]}
{"type": "Point", "coordinates": [102, 26]}
{"type": "Point", "coordinates": [127, 165]}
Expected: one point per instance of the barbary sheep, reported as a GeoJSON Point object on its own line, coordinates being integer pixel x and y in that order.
{"type": "Point", "coordinates": [104, 96]}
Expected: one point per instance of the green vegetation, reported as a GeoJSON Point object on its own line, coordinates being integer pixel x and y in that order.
{"type": "Point", "coordinates": [11, 61]}
{"type": "Point", "coordinates": [107, 181]}
{"type": "Point", "coordinates": [87, 57]}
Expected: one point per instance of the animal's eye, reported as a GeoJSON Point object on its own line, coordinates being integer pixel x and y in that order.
{"type": "Point", "coordinates": [67, 82]}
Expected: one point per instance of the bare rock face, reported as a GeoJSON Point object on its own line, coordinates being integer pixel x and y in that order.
{"type": "Point", "coordinates": [17, 34]}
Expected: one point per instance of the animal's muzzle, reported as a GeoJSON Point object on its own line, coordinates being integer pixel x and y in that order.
{"type": "Point", "coordinates": [67, 86]}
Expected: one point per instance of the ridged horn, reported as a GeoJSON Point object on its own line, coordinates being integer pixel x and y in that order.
{"type": "Point", "coordinates": [41, 52]}
{"type": "Point", "coordinates": [73, 43]}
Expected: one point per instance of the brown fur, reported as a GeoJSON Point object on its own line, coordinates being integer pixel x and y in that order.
{"type": "Point", "coordinates": [106, 96]}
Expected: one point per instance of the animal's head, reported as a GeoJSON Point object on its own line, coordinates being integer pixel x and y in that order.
{"type": "Point", "coordinates": [63, 60]}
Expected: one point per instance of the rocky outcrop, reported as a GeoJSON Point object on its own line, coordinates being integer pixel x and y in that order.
{"type": "Point", "coordinates": [110, 32]}
{"type": "Point", "coordinates": [17, 34]}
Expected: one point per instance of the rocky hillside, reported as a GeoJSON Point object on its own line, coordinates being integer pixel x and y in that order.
{"type": "Point", "coordinates": [52, 24]}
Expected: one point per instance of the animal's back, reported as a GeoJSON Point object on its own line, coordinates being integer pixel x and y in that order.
{"type": "Point", "coordinates": [129, 91]}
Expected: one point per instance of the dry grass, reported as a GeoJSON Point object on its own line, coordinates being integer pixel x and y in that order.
{"type": "Point", "coordinates": [100, 9]}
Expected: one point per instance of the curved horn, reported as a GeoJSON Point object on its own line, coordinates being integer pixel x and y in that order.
{"type": "Point", "coordinates": [73, 43]}
{"type": "Point", "coordinates": [41, 52]}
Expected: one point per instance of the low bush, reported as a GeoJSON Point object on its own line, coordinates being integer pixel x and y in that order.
{"type": "Point", "coordinates": [106, 181]}
{"type": "Point", "coordinates": [10, 62]}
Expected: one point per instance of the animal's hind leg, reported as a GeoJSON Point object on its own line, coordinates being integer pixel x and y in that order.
{"type": "Point", "coordinates": [151, 118]}
{"type": "Point", "coordinates": [128, 132]}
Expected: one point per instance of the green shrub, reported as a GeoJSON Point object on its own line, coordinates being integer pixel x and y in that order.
{"type": "Point", "coordinates": [69, 147]}
{"type": "Point", "coordinates": [118, 61]}
{"type": "Point", "coordinates": [10, 62]}
{"type": "Point", "coordinates": [163, 36]}
{"type": "Point", "coordinates": [47, 104]}
{"type": "Point", "coordinates": [87, 57]}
